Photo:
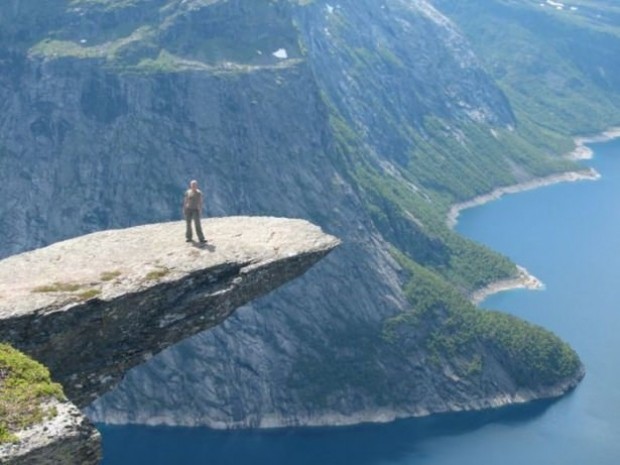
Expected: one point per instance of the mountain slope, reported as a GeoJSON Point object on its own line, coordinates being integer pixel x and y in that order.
{"type": "Point", "coordinates": [367, 118]}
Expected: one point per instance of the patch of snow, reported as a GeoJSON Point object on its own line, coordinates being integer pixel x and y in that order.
{"type": "Point", "coordinates": [330, 9]}
{"type": "Point", "coordinates": [281, 54]}
{"type": "Point", "coordinates": [557, 5]}
{"type": "Point", "coordinates": [83, 41]}
{"type": "Point", "coordinates": [259, 52]}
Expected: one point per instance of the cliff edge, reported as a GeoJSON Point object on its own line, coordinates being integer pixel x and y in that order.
{"type": "Point", "coordinates": [93, 307]}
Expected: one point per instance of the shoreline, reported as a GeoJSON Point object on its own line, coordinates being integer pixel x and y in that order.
{"type": "Point", "coordinates": [583, 152]}
{"type": "Point", "coordinates": [383, 415]}
{"type": "Point", "coordinates": [587, 174]}
{"type": "Point", "coordinates": [525, 280]}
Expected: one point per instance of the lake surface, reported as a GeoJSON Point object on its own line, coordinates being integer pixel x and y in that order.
{"type": "Point", "coordinates": [568, 235]}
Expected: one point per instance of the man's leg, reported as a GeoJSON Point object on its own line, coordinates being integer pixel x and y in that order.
{"type": "Point", "coordinates": [198, 226]}
{"type": "Point", "coordinates": [188, 225]}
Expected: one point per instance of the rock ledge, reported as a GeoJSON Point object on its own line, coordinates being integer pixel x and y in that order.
{"type": "Point", "coordinates": [93, 307]}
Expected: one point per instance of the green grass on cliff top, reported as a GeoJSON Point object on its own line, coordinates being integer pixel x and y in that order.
{"type": "Point", "coordinates": [24, 387]}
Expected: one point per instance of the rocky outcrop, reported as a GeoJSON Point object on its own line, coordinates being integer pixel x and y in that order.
{"type": "Point", "coordinates": [68, 439]}
{"type": "Point", "coordinates": [93, 307]}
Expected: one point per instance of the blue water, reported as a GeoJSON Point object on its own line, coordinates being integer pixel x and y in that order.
{"type": "Point", "coordinates": [568, 235]}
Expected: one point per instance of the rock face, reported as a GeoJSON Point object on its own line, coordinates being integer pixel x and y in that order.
{"type": "Point", "coordinates": [68, 439]}
{"type": "Point", "coordinates": [93, 307]}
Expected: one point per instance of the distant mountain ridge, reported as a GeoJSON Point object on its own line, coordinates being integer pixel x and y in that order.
{"type": "Point", "coordinates": [381, 116]}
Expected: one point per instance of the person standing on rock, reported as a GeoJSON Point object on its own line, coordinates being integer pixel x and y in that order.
{"type": "Point", "coordinates": [192, 206]}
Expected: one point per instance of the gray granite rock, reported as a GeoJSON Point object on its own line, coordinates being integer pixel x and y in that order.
{"type": "Point", "coordinates": [68, 439]}
{"type": "Point", "coordinates": [93, 307]}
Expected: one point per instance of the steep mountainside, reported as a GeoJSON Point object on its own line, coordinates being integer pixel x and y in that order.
{"type": "Point", "coordinates": [557, 64]}
{"type": "Point", "coordinates": [368, 118]}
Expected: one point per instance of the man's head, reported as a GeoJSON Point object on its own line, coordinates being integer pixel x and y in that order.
{"type": "Point", "coordinates": [193, 185]}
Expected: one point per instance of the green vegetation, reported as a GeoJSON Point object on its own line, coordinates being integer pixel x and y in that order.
{"type": "Point", "coordinates": [25, 386]}
{"type": "Point", "coordinates": [534, 356]}
{"type": "Point", "coordinates": [165, 62]}
{"type": "Point", "coordinates": [442, 329]}
{"type": "Point", "coordinates": [408, 205]}
{"type": "Point", "coordinates": [88, 294]}
{"type": "Point", "coordinates": [412, 217]}
{"type": "Point", "coordinates": [76, 290]}
{"type": "Point", "coordinates": [558, 85]}
{"type": "Point", "coordinates": [167, 39]}
{"type": "Point", "coordinates": [64, 48]}
{"type": "Point", "coordinates": [556, 67]}
{"type": "Point", "coordinates": [138, 42]}
{"type": "Point", "coordinates": [59, 287]}
{"type": "Point", "coordinates": [157, 274]}
{"type": "Point", "coordinates": [110, 275]}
